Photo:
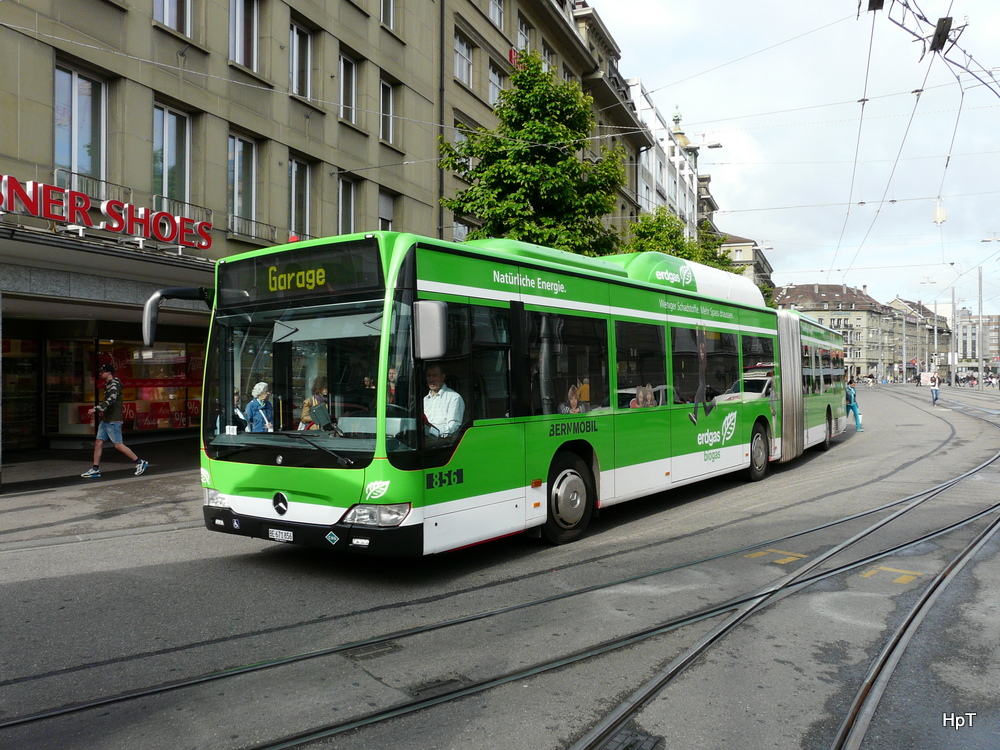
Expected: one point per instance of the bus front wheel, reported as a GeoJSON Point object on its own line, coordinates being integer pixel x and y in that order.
{"type": "Point", "coordinates": [759, 453]}
{"type": "Point", "coordinates": [571, 498]}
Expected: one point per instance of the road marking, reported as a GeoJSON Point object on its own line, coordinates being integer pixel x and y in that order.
{"type": "Point", "coordinates": [788, 556]}
{"type": "Point", "coordinates": [908, 576]}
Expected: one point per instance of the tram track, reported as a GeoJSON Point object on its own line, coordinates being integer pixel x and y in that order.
{"type": "Point", "coordinates": [731, 607]}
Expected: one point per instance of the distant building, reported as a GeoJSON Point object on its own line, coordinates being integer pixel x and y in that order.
{"type": "Point", "coordinates": [749, 259]}
{"type": "Point", "coordinates": [878, 338]}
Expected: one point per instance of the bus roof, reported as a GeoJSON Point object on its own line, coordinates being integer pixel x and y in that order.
{"type": "Point", "coordinates": [655, 268]}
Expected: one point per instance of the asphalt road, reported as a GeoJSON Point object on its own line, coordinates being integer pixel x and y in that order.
{"type": "Point", "coordinates": [116, 586]}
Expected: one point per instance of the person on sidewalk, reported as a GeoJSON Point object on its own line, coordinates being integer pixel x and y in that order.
{"type": "Point", "coordinates": [935, 388]}
{"type": "Point", "coordinates": [111, 423]}
{"type": "Point", "coordinates": [852, 404]}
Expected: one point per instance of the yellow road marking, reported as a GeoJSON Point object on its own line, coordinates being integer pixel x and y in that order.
{"type": "Point", "coordinates": [907, 576]}
{"type": "Point", "coordinates": [788, 556]}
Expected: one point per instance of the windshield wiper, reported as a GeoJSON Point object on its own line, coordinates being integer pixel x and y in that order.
{"type": "Point", "coordinates": [301, 434]}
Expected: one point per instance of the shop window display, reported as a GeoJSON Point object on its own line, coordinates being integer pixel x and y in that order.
{"type": "Point", "coordinates": [161, 386]}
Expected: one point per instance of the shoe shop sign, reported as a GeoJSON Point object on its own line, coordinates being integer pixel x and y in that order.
{"type": "Point", "coordinates": [79, 209]}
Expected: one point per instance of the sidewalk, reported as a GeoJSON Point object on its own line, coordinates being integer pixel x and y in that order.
{"type": "Point", "coordinates": [42, 469]}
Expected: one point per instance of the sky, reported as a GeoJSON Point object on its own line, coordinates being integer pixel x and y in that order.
{"type": "Point", "coordinates": [828, 156]}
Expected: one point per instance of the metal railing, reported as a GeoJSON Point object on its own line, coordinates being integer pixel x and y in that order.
{"type": "Point", "coordinates": [180, 208]}
{"type": "Point", "coordinates": [254, 229]}
{"type": "Point", "coordinates": [92, 187]}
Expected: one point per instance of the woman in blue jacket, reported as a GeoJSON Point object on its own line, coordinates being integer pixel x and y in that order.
{"type": "Point", "coordinates": [259, 412]}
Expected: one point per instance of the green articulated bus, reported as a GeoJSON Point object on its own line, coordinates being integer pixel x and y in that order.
{"type": "Point", "coordinates": [425, 395]}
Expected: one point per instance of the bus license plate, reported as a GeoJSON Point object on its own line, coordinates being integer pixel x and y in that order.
{"type": "Point", "coordinates": [280, 535]}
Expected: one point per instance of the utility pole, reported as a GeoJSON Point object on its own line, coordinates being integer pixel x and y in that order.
{"type": "Point", "coordinates": [979, 332]}
{"type": "Point", "coordinates": [953, 346]}
{"type": "Point", "coordinates": [904, 346]}
{"type": "Point", "coordinates": [935, 338]}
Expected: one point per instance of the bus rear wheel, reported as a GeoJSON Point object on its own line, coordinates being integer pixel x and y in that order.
{"type": "Point", "coordinates": [828, 438]}
{"type": "Point", "coordinates": [571, 498]}
{"type": "Point", "coordinates": [759, 453]}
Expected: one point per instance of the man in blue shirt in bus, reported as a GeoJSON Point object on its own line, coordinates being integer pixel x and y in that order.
{"type": "Point", "coordinates": [443, 407]}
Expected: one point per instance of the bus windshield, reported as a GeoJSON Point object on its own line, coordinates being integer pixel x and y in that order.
{"type": "Point", "coordinates": [297, 380]}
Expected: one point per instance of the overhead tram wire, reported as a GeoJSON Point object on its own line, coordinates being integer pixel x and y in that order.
{"type": "Point", "coordinates": [892, 172]}
{"type": "Point", "coordinates": [857, 145]}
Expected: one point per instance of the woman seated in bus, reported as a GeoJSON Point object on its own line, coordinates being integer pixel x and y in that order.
{"type": "Point", "coordinates": [319, 396]}
{"type": "Point", "coordinates": [259, 412]}
{"type": "Point", "coordinates": [572, 404]}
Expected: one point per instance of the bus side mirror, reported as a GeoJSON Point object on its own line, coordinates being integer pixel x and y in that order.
{"type": "Point", "coordinates": [430, 320]}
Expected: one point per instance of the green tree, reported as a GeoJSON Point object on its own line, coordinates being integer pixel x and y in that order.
{"type": "Point", "coordinates": [527, 178]}
{"type": "Point", "coordinates": [662, 231]}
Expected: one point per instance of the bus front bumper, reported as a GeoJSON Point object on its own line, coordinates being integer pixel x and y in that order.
{"type": "Point", "coordinates": [398, 541]}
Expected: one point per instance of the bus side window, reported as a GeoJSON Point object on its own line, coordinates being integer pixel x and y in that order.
{"type": "Point", "coordinates": [490, 386]}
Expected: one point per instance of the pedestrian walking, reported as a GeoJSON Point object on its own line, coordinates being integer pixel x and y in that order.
{"type": "Point", "coordinates": [110, 427]}
{"type": "Point", "coordinates": [935, 383]}
{"type": "Point", "coordinates": [852, 404]}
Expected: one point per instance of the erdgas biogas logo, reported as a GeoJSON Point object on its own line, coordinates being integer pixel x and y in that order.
{"type": "Point", "coordinates": [723, 435]}
{"type": "Point", "coordinates": [673, 278]}
{"type": "Point", "coordinates": [683, 276]}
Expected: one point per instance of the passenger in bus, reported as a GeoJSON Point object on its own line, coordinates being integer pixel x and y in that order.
{"type": "Point", "coordinates": [391, 388]}
{"type": "Point", "coordinates": [573, 404]}
{"type": "Point", "coordinates": [639, 400]}
{"type": "Point", "coordinates": [239, 418]}
{"type": "Point", "coordinates": [259, 412]}
{"type": "Point", "coordinates": [650, 399]}
{"type": "Point", "coordinates": [444, 409]}
{"type": "Point", "coordinates": [319, 395]}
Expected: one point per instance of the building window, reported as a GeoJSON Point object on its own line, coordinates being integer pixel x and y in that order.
{"type": "Point", "coordinates": [299, 60]}
{"type": "Point", "coordinates": [463, 60]}
{"type": "Point", "coordinates": [242, 163]}
{"type": "Point", "coordinates": [348, 89]}
{"type": "Point", "coordinates": [387, 109]}
{"type": "Point", "coordinates": [79, 127]}
{"type": "Point", "coordinates": [298, 186]}
{"type": "Point", "coordinates": [461, 136]}
{"type": "Point", "coordinates": [459, 231]}
{"type": "Point", "coordinates": [173, 13]}
{"type": "Point", "coordinates": [243, 32]}
{"type": "Point", "coordinates": [523, 34]}
{"type": "Point", "coordinates": [171, 136]}
{"type": "Point", "coordinates": [496, 12]}
{"type": "Point", "coordinates": [386, 209]}
{"type": "Point", "coordinates": [388, 17]}
{"type": "Point", "coordinates": [548, 58]}
{"type": "Point", "coordinates": [346, 195]}
{"type": "Point", "coordinates": [496, 84]}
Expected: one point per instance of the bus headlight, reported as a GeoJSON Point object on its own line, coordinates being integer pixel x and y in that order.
{"type": "Point", "coordinates": [215, 498]}
{"type": "Point", "coordinates": [377, 515]}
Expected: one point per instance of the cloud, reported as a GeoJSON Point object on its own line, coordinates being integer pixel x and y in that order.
{"type": "Point", "coordinates": [829, 181]}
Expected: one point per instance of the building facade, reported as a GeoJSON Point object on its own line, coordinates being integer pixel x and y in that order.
{"type": "Point", "coordinates": [145, 141]}
{"type": "Point", "coordinates": [750, 260]}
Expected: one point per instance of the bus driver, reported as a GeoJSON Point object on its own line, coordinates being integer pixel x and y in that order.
{"type": "Point", "coordinates": [443, 407]}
